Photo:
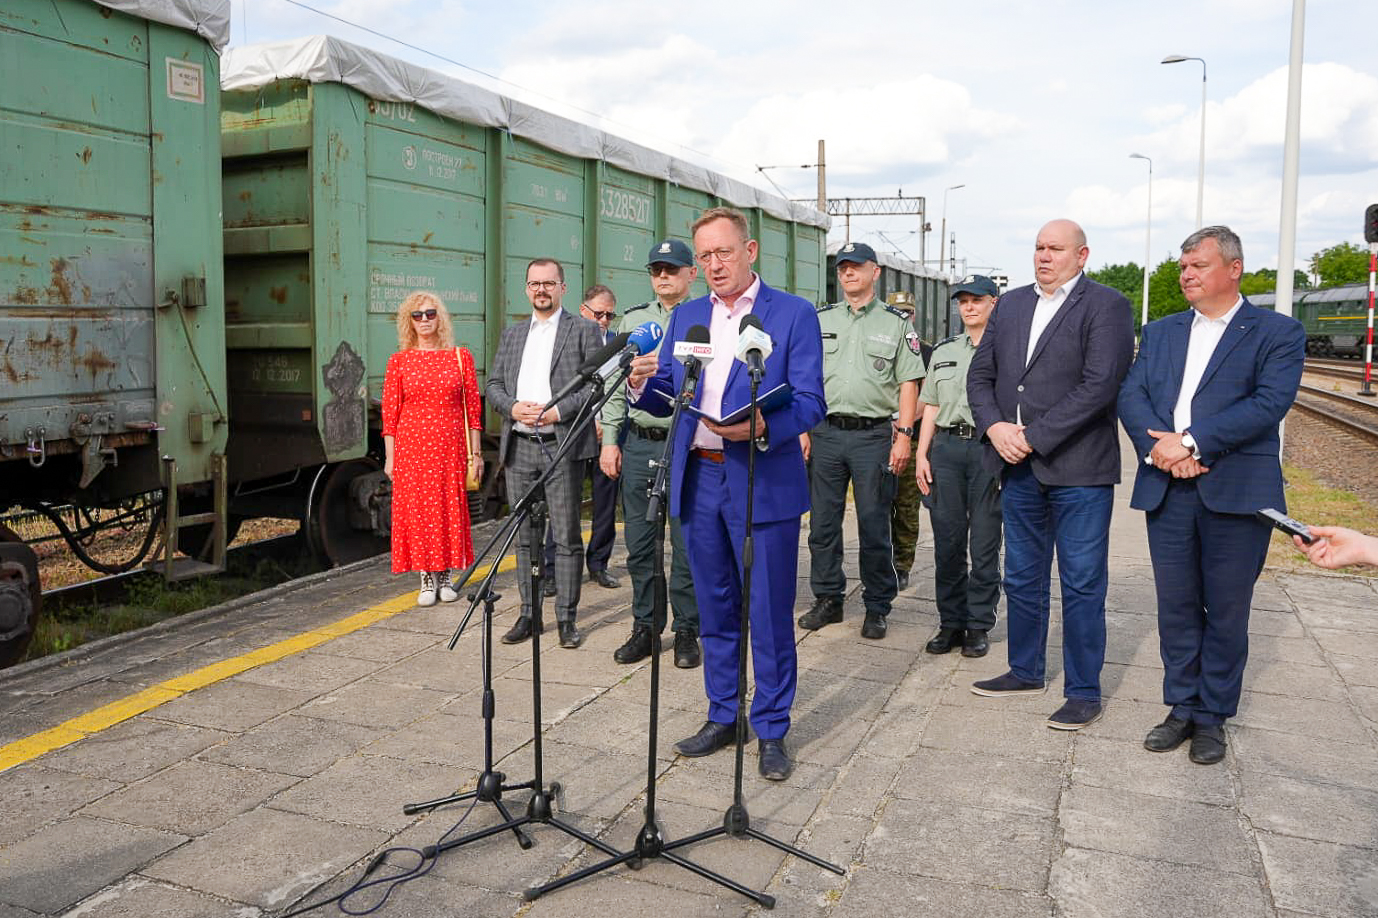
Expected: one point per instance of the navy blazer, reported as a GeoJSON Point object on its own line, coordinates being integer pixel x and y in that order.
{"type": "Point", "coordinates": [1249, 384]}
{"type": "Point", "coordinates": [576, 338]}
{"type": "Point", "coordinates": [1066, 394]}
{"type": "Point", "coordinates": [782, 482]}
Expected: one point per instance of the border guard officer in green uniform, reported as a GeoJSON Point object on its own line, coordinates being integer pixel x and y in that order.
{"type": "Point", "coordinates": [905, 514]}
{"type": "Point", "coordinates": [632, 440]}
{"type": "Point", "coordinates": [964, 499]}
{"type": "Point", "coordinates": [869, 373]}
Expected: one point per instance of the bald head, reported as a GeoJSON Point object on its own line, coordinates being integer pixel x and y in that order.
{"type": "Point", "coordinates": [1059, 254]}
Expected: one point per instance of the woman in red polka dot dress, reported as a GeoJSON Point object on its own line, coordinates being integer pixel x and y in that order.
{"type": "Point", "coordinates": [429, 385]}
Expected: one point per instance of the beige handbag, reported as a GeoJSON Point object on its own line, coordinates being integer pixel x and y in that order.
{"type": "Point", "coordinates": [473, 478]}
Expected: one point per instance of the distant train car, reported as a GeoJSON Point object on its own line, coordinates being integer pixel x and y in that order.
{"type": "Point", "coordinates": [935, 318]}
{"type": "Point", "coordinates": [111, 327]}
{"type": "Point", "coordinates": [1335, 318]}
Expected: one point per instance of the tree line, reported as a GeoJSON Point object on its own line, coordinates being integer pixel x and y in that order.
{"type": "Point", "coordinates": [1345, 263]}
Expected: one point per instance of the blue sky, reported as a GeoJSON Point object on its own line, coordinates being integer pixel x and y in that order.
{"type": "Point", "coordinates": [1034, 108]}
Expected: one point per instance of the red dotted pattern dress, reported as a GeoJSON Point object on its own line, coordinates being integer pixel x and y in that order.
{"type": "Point", "coordinates": [423, 414]}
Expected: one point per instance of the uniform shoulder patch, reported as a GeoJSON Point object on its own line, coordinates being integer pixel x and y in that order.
{"type": "Point", "coordinates": [948, 340]}
{"type": "Point", "coordinates": [824, 307]}
{"type": "Point", "coordinates": [915, 343]}
{"type": "Point", "coordinates": [636, 307]}
{"type": "Point", "coordinates": [896, 312]}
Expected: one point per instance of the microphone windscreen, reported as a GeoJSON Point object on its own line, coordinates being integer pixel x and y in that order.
{"type": "Point", "coordinates": [750, 321]}
{"type": "Point", "coordinates": [645, 337]}
{"type": "Point", "coordinates": [605, 353]}
{"type": "Point", "coordinates": [698, 334]}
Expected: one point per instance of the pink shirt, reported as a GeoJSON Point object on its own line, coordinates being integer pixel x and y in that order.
{"type": "Point", "coordinates": [722, 332]}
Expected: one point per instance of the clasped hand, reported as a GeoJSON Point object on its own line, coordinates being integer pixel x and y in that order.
{"type": "Point", "coordinates": [530, 414]}
{"type": "Point", "coordinates": [1171, 456]}
{"type": "Point", "coordinates": [1008, 440]}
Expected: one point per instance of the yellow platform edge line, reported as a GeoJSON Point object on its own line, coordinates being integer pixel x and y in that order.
{"type": "Point", "coordinates": [64, 734]}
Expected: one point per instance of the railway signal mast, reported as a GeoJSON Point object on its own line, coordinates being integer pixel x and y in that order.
{"type": "Point", "coordinates": [1371, 237]}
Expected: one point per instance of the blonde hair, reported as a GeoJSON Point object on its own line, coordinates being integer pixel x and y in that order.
{"type": "Point", "coordinates": [406, 332]}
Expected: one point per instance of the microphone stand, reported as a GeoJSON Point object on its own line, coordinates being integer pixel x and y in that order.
{"type": "Point", "coordinates": [532, 509]}
{"type": "Point", "coordinates": [736, 821]}
{"type": "Point", "coordinates": [650, 841]}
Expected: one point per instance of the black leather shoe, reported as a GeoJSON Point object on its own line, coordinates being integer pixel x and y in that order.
{"type": "Point", "coordinates": [827, 610]}
{"type": "Point", "coordinates": [873, 628]}
{"type": "Point", "coordinates": [687, 655]}
{"type": "Point", "coordinates": [548, 586]}
{"type": "Point", "coordinates": [945, 640]}
{"type": "Point", "coordinates": [775, 763]}
{"type": "Point", "coordinates": [604, 579]}
{"type": "Point", "coordinates": [637, 647]}
{"type": "Point", "coordinates": [975, 644]}
{"type": "Point", "coordinates": [570, 637]}
{"type": "Point", "coordinates": [520, 631]}
{"type": "Point", "coordinates": [711, 737]}
{"type": "Point", "coordinates": [1207, 744]}
{"type": "Point", "coordinates": [1168, 735]}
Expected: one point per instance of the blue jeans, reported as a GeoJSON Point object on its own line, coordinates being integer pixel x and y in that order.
{"type": "Point", "coordinates": [1076, 521]}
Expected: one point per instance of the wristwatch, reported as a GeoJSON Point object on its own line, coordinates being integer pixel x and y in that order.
{"type": "Point", "coordinates": [907, 431]}
{"type": "Point", "coordinates": [1190, 443]}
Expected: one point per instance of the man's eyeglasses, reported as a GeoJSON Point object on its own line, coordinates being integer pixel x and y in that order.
{"type": "Point", "coordinates": [660, 268]}
{"type": "Point", "coordinates": [542, 285]}
{"type": "Point", "coordinates": [726, 256]}
{"type": "Point", "coordinates": [608, 314]}
{"type": "Point", "coordinates": [420, 314]}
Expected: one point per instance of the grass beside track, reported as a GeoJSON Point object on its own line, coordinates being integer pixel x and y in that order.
{"type": "Point", "coordinates": [1310, 501]}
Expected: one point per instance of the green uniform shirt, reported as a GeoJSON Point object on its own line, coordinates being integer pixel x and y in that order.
{"type": "Point", "coordinates": [946, 385]}
{"type": "Point", "coordinates": [866, 356]}
{"type": "Point", "coordinates": [616, 411]}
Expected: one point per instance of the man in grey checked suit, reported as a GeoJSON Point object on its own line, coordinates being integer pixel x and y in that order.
{"type": "Point", "coordinates": [536, 358]}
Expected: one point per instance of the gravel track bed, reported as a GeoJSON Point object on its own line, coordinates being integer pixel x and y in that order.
{"type": "Point", "coordinates": [1341, 460]}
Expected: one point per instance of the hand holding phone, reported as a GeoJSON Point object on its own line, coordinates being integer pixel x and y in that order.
{"type": "Point", "coordinates": [1284, 523]}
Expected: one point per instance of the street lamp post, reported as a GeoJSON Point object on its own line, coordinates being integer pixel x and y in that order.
{"type": "Point", "coordinates": [1201, 164]}
{"type": "Point", "coordinates": [942, 238]}
{"type": "Point", "coordinates": [1148, 234]}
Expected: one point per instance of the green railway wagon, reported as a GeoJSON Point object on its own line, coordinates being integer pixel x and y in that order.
{"type": "Point", "coordinates": [1335, 318]}
{"type": "Point", "coordinates": [935, 316]}
{"type": "Point", "coordinates": [112, 372]}
{"type": "Point", "coordinates": [352, 179]}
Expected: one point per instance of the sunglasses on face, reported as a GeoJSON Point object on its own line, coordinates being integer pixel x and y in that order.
{"type": "Point", "coordinates": [600, 316]}
{"type": "Point", "coordinates": [660, 268]}
{"type": "Point", "coordinates": [420, 314]}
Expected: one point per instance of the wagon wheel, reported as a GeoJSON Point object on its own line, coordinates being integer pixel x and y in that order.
{"type": "Point", "coordinates": [332, 535]}
{"type": "Point", "coordinates": [20, 603]}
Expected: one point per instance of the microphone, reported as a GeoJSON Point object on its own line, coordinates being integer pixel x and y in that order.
{"type": "Point", "coordinates": [695, 352]}
{"type": "Point", "coordinates": [591, 367]}
{"type": "Point", "coordinates": [753, 345]}
{"type": "Point", "coordinates": [641, 340]}
{"type": "Point", "coordinates": [607, 360]}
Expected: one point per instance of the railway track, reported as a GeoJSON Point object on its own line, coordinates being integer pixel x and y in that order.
{"type": "Point", "coordinates": [1338, 369]}
{"type": "Point", "coordinates": [1355, 416]}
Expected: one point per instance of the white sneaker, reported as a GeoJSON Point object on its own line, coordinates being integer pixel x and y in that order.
{"type": "Point", "coordinates": [447, 590]}
{"type": "Point", "coordinates": [427, 595]}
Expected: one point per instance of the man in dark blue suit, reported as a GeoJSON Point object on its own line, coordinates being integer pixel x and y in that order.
{"type": "Point", "coordinates": [708, 480]}
{"type": "Point", "coordinates": [1202, 404]}
{"type": "Point", "coordinates": [1042, 389]}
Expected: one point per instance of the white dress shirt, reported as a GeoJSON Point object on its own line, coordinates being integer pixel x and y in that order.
{"type": "Point", "coordinates": [723, 330]}
{"type": "Point", "coordinates": [1205, 337]}
{"type": "Point", "coordinates": [1047, 307]}
{"type": "Point", "coordinates": [533, 378]}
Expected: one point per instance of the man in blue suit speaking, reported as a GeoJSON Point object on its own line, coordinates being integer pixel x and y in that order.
{"type": "Point", "coordinates": [708, 480]}
{"type": "Point", "coordinates": [1202, 404]}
